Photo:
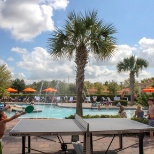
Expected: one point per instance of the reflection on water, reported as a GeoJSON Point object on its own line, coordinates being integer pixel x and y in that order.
{"type": "Point", "coordinates": [51, 111]}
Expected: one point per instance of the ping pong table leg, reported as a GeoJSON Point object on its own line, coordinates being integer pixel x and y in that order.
{"type": "Point", "coordinates": [23, 144]}
{"type": "Point", "coordinates": [29, 144]}
{"type": "Point", "coordinates": [87, 141]}
{"type": "Point", "coordinates": [91, 143]}
{"type": "Point", "coordinates": [141, 136]}
{"type": "Point", "coordinates": [120, 141]}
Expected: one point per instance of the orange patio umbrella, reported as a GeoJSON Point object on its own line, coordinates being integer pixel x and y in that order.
{"type": "Point", "coordinates": [29, 90]}
{"type": "Point", "coordinates": [149, 89]}
{"type": "Point", "coordinates": [11, 90]}
{"type": "Point", "coordinates": [49, 90]}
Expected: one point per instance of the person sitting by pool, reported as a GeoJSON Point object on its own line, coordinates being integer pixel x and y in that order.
{"type": "Point", "coordinates": [150, 115]}
{"type": "Point", "coordinates": [4, 107]}
{"type": "Point", "coordinates": [1, 106]}
{"type": "Point", "coordinates": [94, 99]}
{"type": "Point", "coordinates": [139, 113]}
{"type": "Point", "coordinates": [94, 102]}
{"type": "Point", "coordinates": [99, 107]}
{"type": "Point", "coordinates": [122, 112]}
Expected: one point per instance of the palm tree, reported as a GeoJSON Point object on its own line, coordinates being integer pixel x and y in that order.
{"type": "Point", "coordinates": [133, 65]}
{"type": "Point", "coordinates": [80, 36]}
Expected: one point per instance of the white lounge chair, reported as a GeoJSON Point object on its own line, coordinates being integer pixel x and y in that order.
{"type": "Point", "coordinates": [70, 100]}
{"type": "Point", "coordinates": [103, 98]}
{"type": "Point", "coordinates": [109, 101]}
{"type": "Point", "coordinates": [87, 100]}
{"type": "Point", "coordinates": [37, 98]}
{"type": "Point", "coordinates": [108, 98]}
{"type": "Point", "coordinates": [58, 99]}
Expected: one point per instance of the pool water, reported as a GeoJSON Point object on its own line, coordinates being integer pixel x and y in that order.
{"type": "Point", "coordinates": [52, 111]}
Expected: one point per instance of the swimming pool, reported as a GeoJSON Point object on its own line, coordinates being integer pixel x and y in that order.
{"type": "Point", "coordinates": [52, 111]}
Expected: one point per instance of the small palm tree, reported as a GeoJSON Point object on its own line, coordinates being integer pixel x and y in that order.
{"type": "Point", "coordinates": [132, 65]}
{"type": "Point", "coordinates": [80, 36]}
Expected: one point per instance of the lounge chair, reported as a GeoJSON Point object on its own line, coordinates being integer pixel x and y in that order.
{"type": "Point", "coordinates": [87, 100]}
{"type": "Point", "coordinates": [58, 99]}
{"type": "Point", "coordinates": [93, 105]}
{"type": "Point", "coordinates": [118, 104]}
{"type": "Point", "coordinates": [109, 101]}
{"type": "Point", "coordinates": [103, 98]}
{"type": "Point", "coordinates": [108, 98]}
{"type": "Point", "coordinates": [103, 101]}
{"type": "Point", "coordinates": [37, 98]}
{"type": "Point", "coordinates": [65, 99]}
{"type": "Point", "coordinates": [70, 100]}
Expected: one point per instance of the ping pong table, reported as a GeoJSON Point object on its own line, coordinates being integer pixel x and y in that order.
{"type": "Point", "coordinates": [49, 127]}
{"type": "Point", "coordinates": [117, 126]}
{"type": "Point", "coordinates": [78, 126]}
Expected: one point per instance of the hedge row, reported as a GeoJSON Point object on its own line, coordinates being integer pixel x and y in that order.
{"type": "Point", "coordinates": [145, 121]}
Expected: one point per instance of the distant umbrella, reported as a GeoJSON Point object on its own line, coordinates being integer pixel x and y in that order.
{"type": "Point", "coordinates": [29, 90]}
{"type": "Point", "coordinates": [49, 90]}
{"type": "Point", "coordinates": [11, 90]}
{"type": "Point", "coordinates": [149, 89]}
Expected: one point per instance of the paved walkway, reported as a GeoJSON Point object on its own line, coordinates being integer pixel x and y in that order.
{"type": "Point", "coordinates": [12, 145]}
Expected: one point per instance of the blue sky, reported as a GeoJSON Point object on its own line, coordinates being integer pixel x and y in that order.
{"type": "Point", "coordinates": [26, 26]}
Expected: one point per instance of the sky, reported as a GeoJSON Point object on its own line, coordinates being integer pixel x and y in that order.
{"type": "Point", "coordinates": [26, 26]}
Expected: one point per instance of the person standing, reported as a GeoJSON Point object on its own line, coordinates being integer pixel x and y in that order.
{"type": "Point", "coordinates": [3, 120]}
{"type": "Point", "coordinates": [150, 115]}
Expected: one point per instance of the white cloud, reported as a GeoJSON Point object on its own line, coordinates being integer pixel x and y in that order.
{"type": "Point", "coordinates": [146, 50]}
{"type": "Point", "coordinates": [39, 65]}
{"type": "Point", "coordinates": [1, 62]}
{"type": "Point", "coordinates": [22, 76]}
{"type": "Point", "coordinates": [121, 52]}
{"type": "Point", "coordinates": [10, 59]}
{"type": "Point", "coordinates": [26, 19]}
{"type": "Point", "coordinates": [19, 76]}
{"type": "Point", "coordinates": [19, 50]}
{"type": "Point", "coordinates": [144, 75]}
{"type": "Point", "coordinates": [60, 4]}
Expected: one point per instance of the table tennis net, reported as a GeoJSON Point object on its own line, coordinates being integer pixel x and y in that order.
{"type": "Point", "coordinates": [83, 123]}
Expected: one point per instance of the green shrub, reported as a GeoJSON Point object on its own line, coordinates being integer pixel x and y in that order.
{"type": "Point", "coordinates": [142, 99]}
{"type": "Point", "coordinates": [94, 116]}
{"type": "Point", "coordinates": [145, 121]}
{"type": "Point", "coordinates": [122, 102]}
{"type": "Point", "coordinates": [70, 117]}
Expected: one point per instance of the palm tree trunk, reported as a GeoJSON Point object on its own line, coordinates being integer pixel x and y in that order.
{"type": "Point", "coordinates": [132, 82]}
{"type": "Point", "coordinates": [81, 61]}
